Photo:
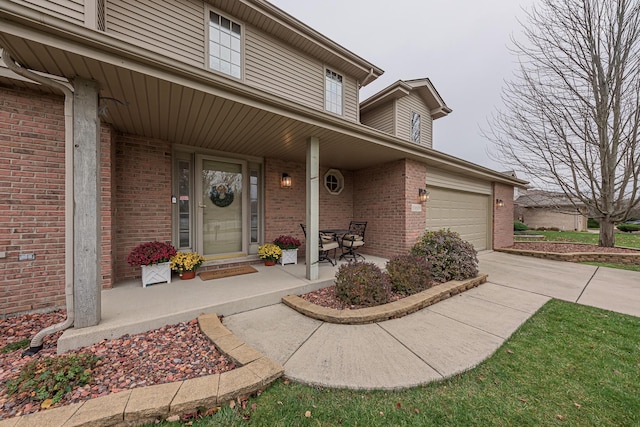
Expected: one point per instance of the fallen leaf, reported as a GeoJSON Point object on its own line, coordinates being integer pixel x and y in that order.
{"type": "Point", "coordinates": [279, 402]}
{"type": "Point", "coordinates": [398, 405]}
{"type": "Point", "coordinates": [307, 414]}
{"type": "Point", "coordinates": [381, 414]}
{"type": "Point", "coordinates": [254, 406]}
{"type": "Point", "coordinates": [509, 351]}
{"type": "Point", "coordinates": [212, 411]}
{"type": "Point", "coordinates": [560, 417]}
{"type": "Point", "coordinates": [232, 404]}
{"type": "Point", "coordinates": [577, 405]}
{"type": "Point", "coordinates": [416, 410]}
{"type": "Point", "coordinates": [522, 400]}
{"type": "Point", "coordinates": [286, 382]}
{"type": "Point", "coordinates": [46, 404]}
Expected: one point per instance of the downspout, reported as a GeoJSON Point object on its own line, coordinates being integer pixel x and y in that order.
{"type": "Point", "coordinates": [37, 340]}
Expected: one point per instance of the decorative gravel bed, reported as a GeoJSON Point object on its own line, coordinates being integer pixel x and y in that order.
{"type": "Point", "coordinates": [326, 297]}
{"type": "Point", "coordinates": [172, 353]}
{"type": "Point", "coordinates": [567, 248]}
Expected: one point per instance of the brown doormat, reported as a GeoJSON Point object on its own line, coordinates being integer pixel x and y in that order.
{"type": "Point", "coordinates": [227, 272]}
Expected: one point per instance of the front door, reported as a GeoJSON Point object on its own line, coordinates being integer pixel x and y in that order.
{"type": "Point", "coordinates": [222, 209]}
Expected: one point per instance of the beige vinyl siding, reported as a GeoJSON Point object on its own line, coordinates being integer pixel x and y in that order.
{"type": "Point", "coordinates": [350, 98]}
{"type": "Point", "coordinates": [278, 69]}
{"type": "Point", "coordinates": [175, 28]}
{"type": "Point", "coordinates": [69, 10]}
{"type": "Point", "coordinates": [381, 118]}
{"type": "Point", "coordinates": [405, 106]}
{"type": "Point", "coordinates": [442, 178]}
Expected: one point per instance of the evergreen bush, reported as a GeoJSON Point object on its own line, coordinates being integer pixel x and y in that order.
{"type": "Point", "coordinates": [362, 283]}
{"type": "Point", "coordinates": [451, 258]}
{"type": "Point", "coordinates": [409, 274]}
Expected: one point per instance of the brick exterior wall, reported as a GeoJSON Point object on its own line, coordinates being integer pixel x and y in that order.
{"type": "Point", "coordinates": [286, 207]}
{"type": "Point", "coordinates": [502, 216]}
{"type": "Point", "coordinates": [32, 180]}
{"type": "Point", "coordinates": [32, 185]}
{"type": "Point", "coordinates": [383, 196]}
{"type": "Point", "coordinates": [107, 220]}
{"type": "Point", "coordinates": [142, 197]}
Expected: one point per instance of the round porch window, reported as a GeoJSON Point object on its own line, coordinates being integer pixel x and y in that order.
{"type": "Point", "coordinates": [333, 181]}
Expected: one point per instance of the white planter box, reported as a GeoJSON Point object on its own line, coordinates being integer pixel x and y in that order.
{"type": "Point", "coordinates": [289, 256]}
{"type": "Point", "coordinates": [156, 273]}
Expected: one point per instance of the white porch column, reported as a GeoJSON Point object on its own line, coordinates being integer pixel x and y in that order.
{"type": "Point", "coordinates": [313, 207]}
{"type": "Point", "coordinates": [86, 216]}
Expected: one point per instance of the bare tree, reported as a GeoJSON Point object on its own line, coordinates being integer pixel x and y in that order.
{"type": "Point", "coordinates": [571, 114]}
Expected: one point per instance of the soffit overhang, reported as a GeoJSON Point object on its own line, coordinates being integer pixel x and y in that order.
{"type": "Point", "coordinates": [191, 107]}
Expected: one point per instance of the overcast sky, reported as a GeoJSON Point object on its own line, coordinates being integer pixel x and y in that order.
{"type": "Point", "coordinates": [461, 45]}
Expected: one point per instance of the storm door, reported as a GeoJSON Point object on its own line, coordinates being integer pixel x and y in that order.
{"type": "Point", "coordinates": [222, 208]}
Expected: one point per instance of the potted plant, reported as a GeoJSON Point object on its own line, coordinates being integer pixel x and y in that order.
{"type": "Point", "coordinates": [186, 264]}
{"type": "Point", "coordinates": [289, 246]}
{"type": "Point", "coordinates": [154, 259]}
{"type": "Point", "coordinates": [270, 253]}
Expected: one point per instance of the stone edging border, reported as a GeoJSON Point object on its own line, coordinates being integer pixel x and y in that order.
{"type": "Point", "coordinates": [613, 258]}
{"type": "Point", "coordinates": [387, 311]}
{"type": "Point", "coordinates": [145, 405]}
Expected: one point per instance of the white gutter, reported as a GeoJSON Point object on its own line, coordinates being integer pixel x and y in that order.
{"type": "Point", "coordinates": [37, 340]}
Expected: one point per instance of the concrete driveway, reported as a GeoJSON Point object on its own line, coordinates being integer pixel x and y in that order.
{"type": "Point", "coordinates": [436, 342]}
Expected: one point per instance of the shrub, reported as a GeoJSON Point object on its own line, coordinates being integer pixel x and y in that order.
{"type": "Point", "coordinates": [593, 223]}
{"type": "Point", "coordinates": [53, 377]}
{"type": "Point", "coordinates": [362, 283]}
{"type": "Point", "coordinates": [628, 228]}
{"type": "Point", "coordinates": [409, 274]}
{"type": "Point", "coordinates": [519, 226]}
{"type": "Point", "coordinates": [451, 258]}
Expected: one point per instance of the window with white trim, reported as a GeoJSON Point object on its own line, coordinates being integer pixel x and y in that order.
{"type": "Point", "coordinates": [334, 181]}
{"type": "Point", "coordinates": [333, 92]}
{"type": "Point", "coordinates": [225, 45]}
{"type": "Point", "coordinates": [415, 127]}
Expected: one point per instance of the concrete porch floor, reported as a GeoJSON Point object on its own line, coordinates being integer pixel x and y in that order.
{"type": "Point", "coordinates": [129, 308]}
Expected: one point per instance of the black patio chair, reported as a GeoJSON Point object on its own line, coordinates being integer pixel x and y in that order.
{"type": "Point", "coordinates": [353, 241]}
{"type": "Point", "coordinates": [326, 243]}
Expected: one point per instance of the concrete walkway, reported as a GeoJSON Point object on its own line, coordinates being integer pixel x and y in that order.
{"type": "Point", "coordinates": [439, 341]}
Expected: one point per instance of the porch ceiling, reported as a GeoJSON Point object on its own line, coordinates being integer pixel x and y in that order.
{"type": "Point", "coordinates": [142, 104]}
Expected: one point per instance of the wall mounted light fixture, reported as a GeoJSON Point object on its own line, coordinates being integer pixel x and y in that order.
{"type": "Point", "coordinates": [423, 195]}
{"type": "Point", "coordinates": [285, 182]}
{"type": "Point", "coordinates": [499, 203]}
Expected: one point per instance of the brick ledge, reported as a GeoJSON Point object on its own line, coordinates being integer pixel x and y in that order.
{"type": "Point", "coordinates": [383, 312]}
{"type": "Point", "coordinates": [606, 257]}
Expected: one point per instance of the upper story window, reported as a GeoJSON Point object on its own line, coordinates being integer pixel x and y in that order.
{"type": "Point", "coordinates": [333, 92]}
{"type": "Point", "coordinates": [225, 47]}
{"type": "Point", "coordinates": [415, 127]}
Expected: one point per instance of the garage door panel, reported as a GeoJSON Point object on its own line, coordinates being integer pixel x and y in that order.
{"type": "Point", "coordinates": [463, 212]}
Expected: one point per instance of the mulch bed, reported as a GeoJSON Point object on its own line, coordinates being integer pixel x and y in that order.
{"type": "Point", "coordinates": [567, 248]}
{"type": "Point", "coordinates": [172, 353]}
{"type": "Point", "coordinates": [326, 297]}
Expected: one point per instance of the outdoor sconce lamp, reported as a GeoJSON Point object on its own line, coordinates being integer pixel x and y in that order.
{"type": "Point", "coordinates": [285, 182]}
{"type": "Point", "coordinates": [423, 195]}
{"type": "Point", "coordinates": [499, 203]}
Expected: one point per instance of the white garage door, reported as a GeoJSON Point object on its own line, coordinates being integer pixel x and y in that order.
{"type": "Point", "coordinates": [465, 213]}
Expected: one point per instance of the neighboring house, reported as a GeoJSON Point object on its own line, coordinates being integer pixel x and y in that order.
{"type": "Point", "coordinates": [149, 112]}
{"type": "Point", "coordinates": [538, 208]}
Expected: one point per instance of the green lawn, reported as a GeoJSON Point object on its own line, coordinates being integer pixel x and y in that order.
{"type": "Point", "coordinates": [567, 365]}
{"type": "Point", "coordinates": [628, 240]}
